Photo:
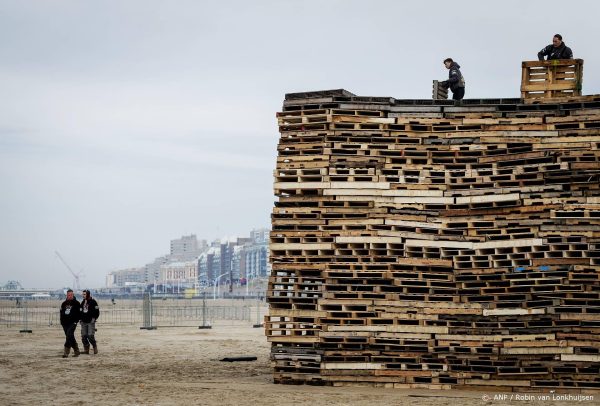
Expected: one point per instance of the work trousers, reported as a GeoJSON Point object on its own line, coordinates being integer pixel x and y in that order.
{"type": "Point", "coordinates": [69, 329]}
{"type": "Point", "coordinates": [458, 94]}
{"type": "Point", "coordinates": [87, 334]}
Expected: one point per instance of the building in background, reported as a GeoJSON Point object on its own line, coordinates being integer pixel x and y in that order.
{"type": "Point", "coordinates": [180, 273]}
{"type": "Point", "coordinates": [235, 261]}
{"type": "Point", "coordinates": [186, 248]}
{"type": "Point", "coordinates": [147, 274]}
{"type": "Point", "coordinates": [260, 235]}
{"type": "Point", "coordinates": [152, 270]}
{"type": "Point", "coordinates": [190, 263]}
{"type": "Point", "coordinates": [238, 263]}
{"type": "Point", "coordinates": [256, 261]}
{"type": "Point", "coordinates": [125, 277]}
{"type": "Point", "coordinates": [257, 255]}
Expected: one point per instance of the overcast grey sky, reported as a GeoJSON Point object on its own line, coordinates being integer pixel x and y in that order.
{"type": "Point", "coordinates": [124, 124]}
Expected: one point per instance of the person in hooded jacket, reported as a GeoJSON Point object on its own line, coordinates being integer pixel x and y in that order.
{"type": "Point", "coordinates": [69, 317]}
{"type": "Point", "coordinates": [89, 314]}
{"type": "Point", "coordinates": [557, 50]}
{"type": "Point", "coordinates": [456, 81]}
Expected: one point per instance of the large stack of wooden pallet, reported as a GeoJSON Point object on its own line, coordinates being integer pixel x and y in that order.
{"type": "Point", "coordinates": [423, 243]}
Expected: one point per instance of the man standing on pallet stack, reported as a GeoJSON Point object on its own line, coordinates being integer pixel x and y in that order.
{"type": "Point", "coordinates": [557, 50]}
{"type": "Point", "coordinates": [456, 81]}
{"type": "Point", "coordinates": [89, 314]}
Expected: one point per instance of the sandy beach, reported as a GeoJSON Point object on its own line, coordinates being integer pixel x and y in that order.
{"type": "Point", "coordinates": [174, 366]}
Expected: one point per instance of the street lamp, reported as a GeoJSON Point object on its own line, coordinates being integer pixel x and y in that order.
{"type": "Point", "coordinates": [215, 284]}
{"type": "Point", "coordinates": [247, 283]}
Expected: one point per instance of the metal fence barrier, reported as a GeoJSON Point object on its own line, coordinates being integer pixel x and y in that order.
{"type": "Point", "coordinates": [157, 314]}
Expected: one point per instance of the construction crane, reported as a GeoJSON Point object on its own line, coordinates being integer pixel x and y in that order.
{"type": "Point", "coordinates": [76, 276]}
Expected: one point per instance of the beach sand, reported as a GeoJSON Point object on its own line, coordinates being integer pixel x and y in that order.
{"type": "Point", "coordinates": [176, 366]}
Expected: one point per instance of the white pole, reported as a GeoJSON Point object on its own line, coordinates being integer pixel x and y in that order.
{"type": "Point", "coordinates": [217, 288]}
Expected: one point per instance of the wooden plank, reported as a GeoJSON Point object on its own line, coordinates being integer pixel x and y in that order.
{"type": "Point", "coordinates": [535, 343]}
{"type": "Point", "coordinates": [390, 329]}
{"type": "Point", "coordinates": [415, 224]}
{"type": "Point", "coordinates": [301, 246]}
{"type": "Point", "coordinates": [580, 357]}
{"type": "Point", "coordinates": [512, 312]}
{"type": "Point", "coordinates": [529, 242]}
{"type": "Point", "coordinates": [497, 337]}
{"type": "Point", "coordinates": [548, 86]}
{"type": "Point", "coordinates": [359, 185]}
{"type": "Point", "coordinates": [434, 305]}
{"type": "Point", "coordinates": [296, 313]}
{"type": "Point", "coordinates": [498, 382]}
{"type": "Point", "coordinates": [439, 244]}
{"type": "Point", "coordinates": [301, 185]}
{"type": "Point", "coordinates": [365, 239]}
{"type": "Point", "coordinates": [352, 365]}
{"type": "Point", "coordinates": [536, 350]}
{"type": "Point", "coordinates": [488, 198]}
{"type": "Point", "coordinates": [293, 339]}
{"type": "Point", "coordinates": [469, 245]}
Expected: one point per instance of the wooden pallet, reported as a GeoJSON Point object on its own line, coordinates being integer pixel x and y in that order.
{"type": "Point", "coordinates": [551, 79]}
{"type": "Point", "coordinates": [439, 92]}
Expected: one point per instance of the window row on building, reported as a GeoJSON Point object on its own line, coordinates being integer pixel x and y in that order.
{"type": "Point", "coordinates": [193, 263]}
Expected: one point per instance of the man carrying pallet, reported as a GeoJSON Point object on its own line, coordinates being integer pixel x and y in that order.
{"type": "Point", "coordinates": [557, 50]}
{"type": "Point", "coordinates": [456, 81]}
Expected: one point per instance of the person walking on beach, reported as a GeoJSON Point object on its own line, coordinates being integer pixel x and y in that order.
{"type": "Point", "coordinates": [69, 317]}
{"type": "Point", "coordinates": [89, 314]}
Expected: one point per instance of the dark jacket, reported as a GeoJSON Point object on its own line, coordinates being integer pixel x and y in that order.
{"type": "Point", "coordinates": [455, 78]}
{"type": "Point", "coordinates": [69, 312]}
{"type": "Point", "coordinates": [89, 310]}
{"type": "Point", "coordinates": [562, 52]}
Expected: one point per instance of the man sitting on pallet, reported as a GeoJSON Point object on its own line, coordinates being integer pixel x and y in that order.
{"type": "Point", "coordinates": [455, 81]}
{"type": "Point", "coordinates": [557, 50]}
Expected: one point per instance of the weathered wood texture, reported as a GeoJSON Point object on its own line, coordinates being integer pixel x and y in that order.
{"type": "Point", "coordinates": [550, 79]}
{"type": "Point", "coordinates": [437, 245]}
{"type": "Point", "coordinates": [439, 92]}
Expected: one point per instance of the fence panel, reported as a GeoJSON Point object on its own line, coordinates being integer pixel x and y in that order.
{"type": "Point", "coordinates": [162, 314]}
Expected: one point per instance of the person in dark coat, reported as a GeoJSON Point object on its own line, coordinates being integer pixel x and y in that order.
{"type": "Point", "coordinates": [456, 81]}
{"type": "Point", "coordinates": [69, 317]}
{"type": "Point", "coordinates": [90, 311]}
{"type": "Point", "coordinates": [557, 50]}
